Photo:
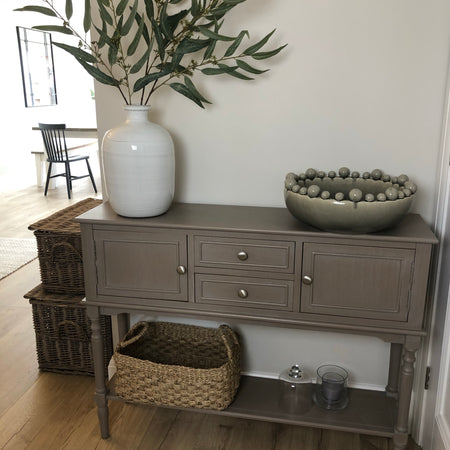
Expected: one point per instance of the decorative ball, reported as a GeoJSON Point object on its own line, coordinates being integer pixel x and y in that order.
{"type": "Point", "coordinates": [292, 175]}
{"type": "Point", "coordinates": [311, 173]}
{"type": "Point", "coordinates": [355, 174]}
{"type": "Point", "coordinates": [313, 191]}
{"type": "Point", "coordinates": [332, 174]}
{"type": "Point", "coordinates": [394, 180]}
{"type": "Point", "coordinates": [344, 172]}
{"type": "Point", "coordinates": [355, 195]}
{"type": "Point", "coordinates": [321, 174]}
{"type": "Point", "coordinates": [386, 178]}
{"type": "Point", "coordinates": [391, 193]}
{"type": "Point", "coordinates": [366, 175]}
{"type": "Point", "coordinates": [289, 183]}
{"type": "Point", "coordinates": [369, 198]}
{"type": "Point", "coordinates": [411, 186]}
{"type": "Point", "coordinates": [296, 188]}
{"type": "Point", "coordinates": [302, 176]}
{"type": "Point", "coordinates": [402, 179]}
{"type": "Point", "coordinates": [407, 192]}
{"type": "Point", "coordinates": [381, 197]}
{"type": "Point", "coordinates": [376, 174]}
{"type": "Point", "coordinates": [339, 196]}
{"type": "Point", "coordinates": [325, 195]}
{"type": "Point", "coordinates": [401, 194]}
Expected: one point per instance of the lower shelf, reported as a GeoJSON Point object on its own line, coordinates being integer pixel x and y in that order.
{"type": "Point", "coordinates": [368, 412]}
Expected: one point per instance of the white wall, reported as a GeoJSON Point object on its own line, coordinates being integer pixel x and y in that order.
{"type": "Point", "coordinates": [361, 83]}
{"type": "Point", "coordinates": [75, 106]}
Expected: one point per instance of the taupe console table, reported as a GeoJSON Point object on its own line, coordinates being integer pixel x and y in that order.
{"type": "Point", "coordinates": [260, 265]}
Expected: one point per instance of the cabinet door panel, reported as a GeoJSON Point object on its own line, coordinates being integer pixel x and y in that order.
{"type": "Point", "coordinates": [356, 281]}
{"type": "Point", "coordinates": [141, 264]}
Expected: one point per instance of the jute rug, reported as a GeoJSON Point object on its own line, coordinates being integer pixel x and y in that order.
{"type": "Point", "coordinates": [15, 253]}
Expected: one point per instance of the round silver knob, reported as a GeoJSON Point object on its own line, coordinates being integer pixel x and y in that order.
{"type": "Point", "coordinates": [243, 293]}
{"type": "Point", "coordinates": [243, 256]}
{"type": "Point", "coordinates": [181, 270]}
{"type": "Point", "coordinates": [307, 280]}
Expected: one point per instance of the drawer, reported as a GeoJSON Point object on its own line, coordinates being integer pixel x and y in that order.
{"type": "Point", "coordinates": [251, 254]}
{"type": "Point", "coordinates": [243, 292]}
{"type": "Point", "coordinates": [357, 281]}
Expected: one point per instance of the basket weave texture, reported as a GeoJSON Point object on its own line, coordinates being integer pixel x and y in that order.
{"type": "Point", "coordinates": [63, 333]}
{"type": "Point", "coordinates": [178, 365]}
{"type": "Point", "coordinates": [59, 248]}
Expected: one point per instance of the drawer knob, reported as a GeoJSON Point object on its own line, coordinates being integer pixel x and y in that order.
{"type": "Point", "coordinates": [243, 256]}
{"type": "Point", "coordinates": [181, 270]}
{"type": "Point", "coordinates": [307, 280]}
{"type": "Point", "coordinates": [243, 293]}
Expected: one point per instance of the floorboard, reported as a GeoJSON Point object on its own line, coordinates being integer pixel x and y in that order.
{"type": "Point", "coordinates": [42, 410]}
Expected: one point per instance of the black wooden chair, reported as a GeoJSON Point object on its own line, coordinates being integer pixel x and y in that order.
{"type": "Point", "coordinates": [56, 149]}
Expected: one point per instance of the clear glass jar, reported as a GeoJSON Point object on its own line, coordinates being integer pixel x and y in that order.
{"type": "Point", "coordinates": [295, 390]}
{"type": "Point", "coordinates": [331, 387]}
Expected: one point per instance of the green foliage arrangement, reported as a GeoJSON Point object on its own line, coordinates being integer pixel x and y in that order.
{"type": "Point", "coordinates": [164, 44]}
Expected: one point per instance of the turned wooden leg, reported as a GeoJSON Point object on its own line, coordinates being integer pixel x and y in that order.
{"type": "Point", "coordinates": [100, 386]}
{"type": "Point", "coordinates": [394, 368]}
{"type": "Point", "coordinates": [410, 348]}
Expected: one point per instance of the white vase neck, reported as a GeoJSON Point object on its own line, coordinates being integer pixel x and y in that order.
{"type": "Point", "coordinates": [136, 113]}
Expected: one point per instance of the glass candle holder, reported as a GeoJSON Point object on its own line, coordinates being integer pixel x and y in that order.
{"type": "Point", "coordinates": [295, 391]}
{"type": "Point", "coordinates": [331, 387]}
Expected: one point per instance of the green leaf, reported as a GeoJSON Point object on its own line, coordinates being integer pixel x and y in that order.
{"type": "Point", "coordinates": [77, 52]}
{"type": "Point", "coordinates": [195, 8]}
{"type": "Point", "coordinates": [234, 72]}
{"type": "Point", "coordinates": [175, 19]}
{"type": "Point", "coordinates": [255, 47]}
{"type": "Point", "coordinates": [159, 39]}
{"type": "Point", "coordinates": [87, 20]}
{"type": "Point", "coordinates": [174, 2]}
{"type": "Point", "coordinates": [217, 70]}
{"type": "Point", "coordinates": [139, 19]}
{"type": "Point", "coordinates": [210, 50]}
{"type": "Point", "coordinates": [149, 9]}
{"type": "Point", "coordinates": [138, 66]}
{"type": "Point", "coordinates": [248, 68]}
{"type": "Point", "coordinates": [269, 54]}
{"type": "Point", "coordinates": [121, 7]}
{"type": "Point", "coordinates": [69, 9]}
{"type": "Point", "coordinates": [142, 82]}
{"type": "Point", "coordinates": [104, 38]}
{"type": "Point", "coordinates": [182, 89]}
{"type": "Point", "coordinates": [98, 74]}
{"type": "Point", "coordinates": [129, 22]}
{"type": "Point", "coordinates": [213, 35]}
{"type": "Point", "coordinates": [104, 14]}
{"type": "Point", "coordinates": [38, 9]}
{"type": "Point", "coordinates": [190, 85]}
{"type": "Point", "coordinates": [233, 47]}
{"type": "Point", "coordinates": [233, 2]}
{"type": "Point", "coordinates": [134, 43]}
{"type": "Point", "coordinates": [191, 45]}
{"type": "Point", "coordinates": [55, 28]}
{"type": "Point", "coordinates": [164, 23]}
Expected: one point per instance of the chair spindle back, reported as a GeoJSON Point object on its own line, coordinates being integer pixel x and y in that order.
{"type": "Point", "coordinates": [54, 141]}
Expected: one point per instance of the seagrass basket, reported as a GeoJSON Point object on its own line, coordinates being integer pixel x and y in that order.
{"type": "Point", "coordinates": [63, 333]}
{"type": "Point", "coordinates": [59, 248]}
{"type": "Point", "coordinates": [178, 365]}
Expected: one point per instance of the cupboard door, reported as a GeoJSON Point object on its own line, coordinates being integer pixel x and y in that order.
{"type": "Point", "coordinates": [356, 281]}
{"type": "Point", "coordinates": [142, 264]}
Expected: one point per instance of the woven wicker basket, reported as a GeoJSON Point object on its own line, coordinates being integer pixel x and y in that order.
{"type": "Point", "coordinates": [59, 249]}
{"type": "Point", "coordinates": [63, 333]}
{"type": "Point", "coordinates": [178, 365]}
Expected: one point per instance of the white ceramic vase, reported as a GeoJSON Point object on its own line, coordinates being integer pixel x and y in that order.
{"type": "Point", "coordinates": [139, 166]}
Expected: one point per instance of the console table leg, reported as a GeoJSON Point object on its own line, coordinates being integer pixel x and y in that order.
{"type": "Point", "coordinates": [394, 368]}
{"type": "Point", "coordinates": [99, 368]}
{"type": "Point", "coordinates": [410, 348]}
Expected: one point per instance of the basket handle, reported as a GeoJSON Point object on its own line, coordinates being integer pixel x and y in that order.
{"type": "Point", "coordinates": [135, 333]}
{"type": "Point", "coordinates": [65, 244]}
{"type": "Point", "coordinates": [81, 334]}
{"type": "Point", "coordinates": [229, 338]}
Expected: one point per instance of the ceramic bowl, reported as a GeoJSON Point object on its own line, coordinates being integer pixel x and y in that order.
{"type": "Point", "coordinates": [348, 204]}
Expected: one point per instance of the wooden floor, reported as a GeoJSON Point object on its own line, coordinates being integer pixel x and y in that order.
{"type": "Point", "coordinates": [51, 411]}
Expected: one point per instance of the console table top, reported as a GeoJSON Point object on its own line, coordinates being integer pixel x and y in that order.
{"type": "Point", "coordinates": [252, 218]}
